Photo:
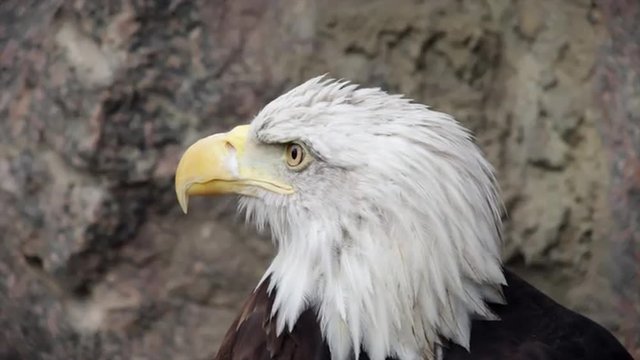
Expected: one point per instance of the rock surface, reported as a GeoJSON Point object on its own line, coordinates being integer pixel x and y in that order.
{"type": "Point", "coordinates": [99, 99]}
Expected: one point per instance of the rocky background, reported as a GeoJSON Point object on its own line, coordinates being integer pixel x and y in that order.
{"type": "Point", "coordinates": [99, 98]}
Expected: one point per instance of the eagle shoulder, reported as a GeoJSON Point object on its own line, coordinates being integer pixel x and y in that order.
{"type": "Point", "coordinates": [253, 336]}
{"type": "Point", "coordinates": [532, 326]}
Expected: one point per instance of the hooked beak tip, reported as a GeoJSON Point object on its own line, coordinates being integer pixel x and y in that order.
{"type": "Point", "coordinates": [183, 200]}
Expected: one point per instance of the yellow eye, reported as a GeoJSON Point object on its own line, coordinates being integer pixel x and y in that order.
{"type": "Point", "coordinates": [295, 155]}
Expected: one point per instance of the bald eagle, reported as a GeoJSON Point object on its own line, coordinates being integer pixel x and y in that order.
{"type": "Point", "coordinates": [386, 219]}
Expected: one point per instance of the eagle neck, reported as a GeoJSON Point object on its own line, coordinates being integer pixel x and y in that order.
{"type": "Point", "coordinates": [373, 289]}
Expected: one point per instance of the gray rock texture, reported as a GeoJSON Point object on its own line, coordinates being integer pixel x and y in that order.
{"type": "Point", "coordinates": [99, 99]}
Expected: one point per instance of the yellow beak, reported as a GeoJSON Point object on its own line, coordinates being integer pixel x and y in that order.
{"type": "Point", "coordinates": [218, 164]}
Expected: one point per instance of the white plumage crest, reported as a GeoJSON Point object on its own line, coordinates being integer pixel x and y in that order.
{"type": "Point", "coordinates": [393, 233]}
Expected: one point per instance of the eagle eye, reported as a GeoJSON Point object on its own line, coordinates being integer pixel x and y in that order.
{"type": "Point", "coordinates": [296, 156]}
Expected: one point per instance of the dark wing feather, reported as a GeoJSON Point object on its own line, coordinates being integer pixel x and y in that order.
{"type": "Point", "coordinates": [252, 336]}
{"type": "Point", "coordinates": [534, 327]}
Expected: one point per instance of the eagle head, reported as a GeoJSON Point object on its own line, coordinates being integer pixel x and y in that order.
{"type": "Point", "coordinates": [385, 215]}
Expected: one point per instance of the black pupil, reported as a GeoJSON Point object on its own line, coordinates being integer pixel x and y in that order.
{"type": "Point", "coordinates": [294, 153]}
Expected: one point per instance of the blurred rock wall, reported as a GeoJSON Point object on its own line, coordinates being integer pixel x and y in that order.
{"type": "Point", "coordinates": [99, 99]}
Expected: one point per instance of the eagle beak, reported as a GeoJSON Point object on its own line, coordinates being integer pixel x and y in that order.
{"type": "Point", "coordinates": [217, 165]}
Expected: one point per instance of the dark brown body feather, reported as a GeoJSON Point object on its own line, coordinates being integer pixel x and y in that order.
{"type": "Point", "coordinates": [532, 327]}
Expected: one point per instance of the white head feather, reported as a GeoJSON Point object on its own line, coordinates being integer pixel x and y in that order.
{"type": "Point", "coordinates": [394, 232]}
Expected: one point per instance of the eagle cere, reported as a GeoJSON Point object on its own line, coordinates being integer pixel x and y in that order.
{"type": "Point", "coordinates": [386, 220]}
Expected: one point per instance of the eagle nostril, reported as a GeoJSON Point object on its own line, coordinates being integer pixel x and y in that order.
{"type": "Point", "coordinates": [230, 148]}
